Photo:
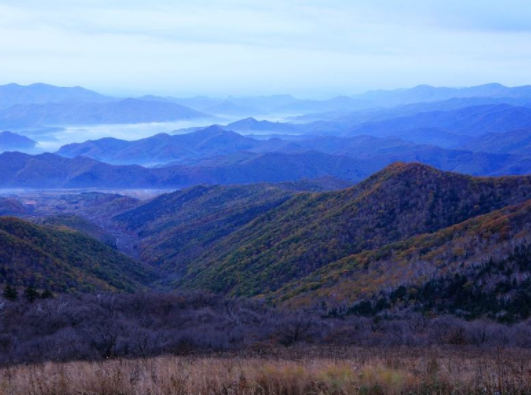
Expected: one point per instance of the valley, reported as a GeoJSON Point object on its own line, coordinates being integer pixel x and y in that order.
{"type": "Point", "coordinates": [276, 197]}
{"type": "Point", "coordinates": [397, 227]}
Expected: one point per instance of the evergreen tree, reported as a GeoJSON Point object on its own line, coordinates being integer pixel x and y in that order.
{"type": "Point", "coordinates": [31, 293]}
{"type": "Point", "coordinates": [10, 293]}
{"type": "Point", "coordinates": [47, 294]}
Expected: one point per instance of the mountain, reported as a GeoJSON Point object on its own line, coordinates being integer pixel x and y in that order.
{"type": "Point", "coordinates": [233, 105]}
{"type": "Point", "coordinates": [215, 150]}
{"type": "Point", "coordinates": [228, 108]}
{"type": "Point", "coordinates": [340, 103]}
{"type": "Point", "coordinates": [13, 94]}
{"type": "Point", "coordinates": [320, 184]}
{"type": "Point", "coordinates": [53, 171]}
{"type": "Point", "coordinates": [89, 113]}
{"type": "Point", "coordinates": [15, 142]}
{"type": "Point", "coordinates": [11, 206]}
{"type": "Point", "coordinates": [80, 224]}
{"type": "Point", "coordinates": [162, 148]}
{"type": "Point", "coordinates": [356, 117]}
{"type": "Point", "coordinates": [516, 142]}
{"type": "Point", "coordinates": [175, 229]}
{"type": "Point", "coordinates": [426, 93]}
{"type": "Point", "coordinates": [178, 228]}
{"type": "Point", "coordinates": [280, 167]}
{"type": "Point", "coordinates": [64, 260]}
{"type": "Point", "coordinates": [251, 125]}
{"type": "Point", "coordinates": [382, 99]}
{"type": "Point", "coordinates": [198, 103]}
{"type": "Point", "coordinates": [380, 152]}
{"type": "Point", "coordinates": [310, 231]}
{"type": "Point", "coordinates": [466, 269]}
{"type": "Point", "coordinates": [469, 121]}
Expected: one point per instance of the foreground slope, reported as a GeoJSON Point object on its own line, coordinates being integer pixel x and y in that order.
{"type": "Point", "coordinates": [465, 250]}
{"type": "Point", "coordinates": [309, 231]}
{"type": "Point", "coordinates": [64, 260]}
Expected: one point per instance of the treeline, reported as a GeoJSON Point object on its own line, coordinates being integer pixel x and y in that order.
{"type": "Point", "coordinates": [96, 327]}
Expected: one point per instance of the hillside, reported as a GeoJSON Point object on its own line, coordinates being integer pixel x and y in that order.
{"type": "Point", "coordinates": [80, 224]}
{"type": "Point", "coordinates": [177, 228]}
{"type": "Point", "coordinates": [64, 260]}
{"type": "Point", "coordinates": [476, 267]}
{"type": "Point", "coordinates": [11, 206]}
{"type": "Point", "coordinates": [313, 230]}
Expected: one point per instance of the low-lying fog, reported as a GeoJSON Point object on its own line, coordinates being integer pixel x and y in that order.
{"type": "Point", "coordinates": [52, 138]}
{"type": "Point", "coordinates": [31, 193]}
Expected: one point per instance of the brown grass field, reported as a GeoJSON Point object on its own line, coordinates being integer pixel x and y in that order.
{"type": "Point", "coordinates": [284, 372]}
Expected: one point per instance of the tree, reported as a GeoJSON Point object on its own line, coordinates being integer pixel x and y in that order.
{"type": "Point", "coordinates": [10, 293]}
{"type": "Point", "coordinates": [46, 294]}
{"type": "Point", "coordinates": [31, 294]}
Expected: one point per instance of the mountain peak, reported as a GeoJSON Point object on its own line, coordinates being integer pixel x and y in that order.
{"type": "Point", "coordinates": [214, 129]}
{"type": "Point", "coordinates": [406, 168]}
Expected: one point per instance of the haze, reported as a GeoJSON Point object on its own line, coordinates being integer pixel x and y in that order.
{"type": "Point", "coordinates": [316, 48]}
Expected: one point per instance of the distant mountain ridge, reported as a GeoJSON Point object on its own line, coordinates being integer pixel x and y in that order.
{"type": "Point", "coordinates": [13, 94]}
{"type": "Point", "coordinates": [53, 171]}
{"type": "Point", "coordinates": [93, 113]}
{"type": "Point", "coordinates": [218, 150]}
{"type": "Point", "coordinates": [468, 121]}
{"type": "Point", "coordinates": [512, 142]}
{"type": "Point", "coordinates": [163, 148]}
{"type": "Point", "coordinates": [15, 142]}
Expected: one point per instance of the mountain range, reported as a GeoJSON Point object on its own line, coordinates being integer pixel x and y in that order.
{"type": "Point", "coordinates": [387, 241]}
{"type": "Point", "coordinates": [468, 121]}
{"type": "Point", "coordinates": [220, 153]}
{"type": "Point", "coordinates": [53, 171]}
{"type": "Point", "coordinates": [41, 105]}
{"type": "Point", "coordinates": [14, 94]}
{"type": "Point", "coordinates": [125, 111]}
{"type": "Point", "coordinates": [403, 225]}
{"type": "Point", "coordinates": [415, 199]}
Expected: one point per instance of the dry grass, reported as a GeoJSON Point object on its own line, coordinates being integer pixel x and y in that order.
{"type": "Point", "coordinates": [353, 371]}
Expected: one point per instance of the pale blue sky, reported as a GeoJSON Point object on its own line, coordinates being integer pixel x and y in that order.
{"type": "Point", "coordinates": [222, 47]}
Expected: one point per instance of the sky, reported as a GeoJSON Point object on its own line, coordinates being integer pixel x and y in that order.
{"type": "Point", "coordinates": [310, 48]}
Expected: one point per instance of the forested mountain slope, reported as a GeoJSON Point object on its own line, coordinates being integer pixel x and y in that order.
{"type": "Point", "coordinates": [177, 228]}
{"type": "Point", "coordinates": [312, 230]}
{"type": "Point", "coordinates": [468, 248]}
{"type": "Point", "coordinates": [64, 260]}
